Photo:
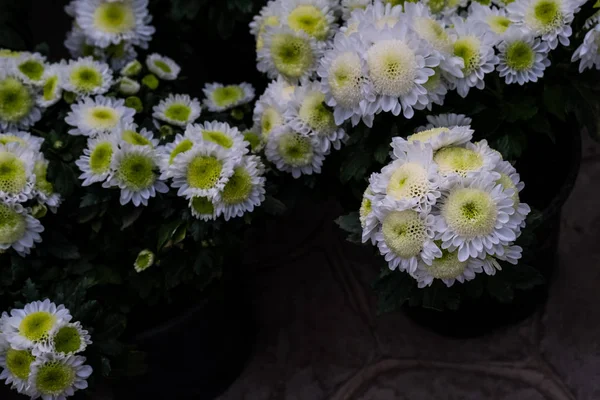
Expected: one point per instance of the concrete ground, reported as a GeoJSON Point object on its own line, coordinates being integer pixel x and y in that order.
{"type": "Point", "coordinates": [320, 337]}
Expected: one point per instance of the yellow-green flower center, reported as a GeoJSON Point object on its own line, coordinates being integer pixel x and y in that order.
{"type": "Point", "coordinates": [253, 139]}
{"type": "Point", "coordinates": [163, 66]}
{"type": "Point", "coordinates": [178, 112]}
{"type": "Point", "coordinates": [135, 138]}
{"type": "Point", "coordinates": [16, 101]}
{"type": "Point", "coordinates": [85, 78]}
{"type": "Point", "coordinates": [19, 362]}
{"type": "Point", "coordinates": [434, 33]}
{"type": "Point", "coordinates": [136, 171]}
{"type": "Point", "coordinates": [408, 181]}
{"type": "Point", "coordinates": [309, 19]}
{"type": "Point", "coordinates": [33, 69]}
{"type": "Point", "coordinates": [457, 160]}
{"type": "Point", "coordinates": [291, 55]}
{"type": "Point", "coordinates": [102, 117]}
{"type": "Point", "coordinates": [54, 377]}
{"type": "Point", "coordinates": [36, 326]}
{"type": "Point", "coordinates": [366, 207]}
{"type": "Point", "coordinates": [545, 15]}
{"type": "Point", "coordinates": [182, 147]}
{"type": "Point", "coordinates": [114, 17]}
{"type": "Point", "coordinates": [50, 87]}
{"type": "Point", "coordinates": [433, 81]}
{"type": "Point", "coordinates": [218, 137]}
{"type": "Point", "coordinates": [204, 172]}
{"type": "Point", "coordinates": [295, 149]}
{"type": "Point", "coordinates": [238, 188]}
{"type": "Point", "coordinates": [316, 115]}
{"type": "Point", "coordinates": [271, 20]}
{"type": "Point", "coordinates": [467, 48]}
{"type": "Point", "coordinates": [67, 340]}
{"type": "Point", "coordinates": [345, 77]}
{"type": "Point", "coordinates": [7, 138]}
{"type": "Point", "coordinates": [13, 175]}
{"type": "Point", "coordinates": [447, 266]}
{"type": "Point", "coordinates": [498, 23]}
{"type": "Point", "coordinates": [40, 170]}
{"type": "Point", "coordinates": [227, 95]}
{"type": "Point", "coordinates": [12, 225]}
{"type": "Point", "coordinates": [144, 260]}
{"type": "Point", "coordinates": [404, 233]}
{"type": "Point", "coordinates": [426, 136]}
{"type": "Point", "coordinates": [270, 119]}
{"type": "Point", "coordinates": [470, 212]}
{"type": "Point", "coordinates": [392, 66]}
{"type": "Point", "coordinates": [101, 157]}
{"type": "Point", "coordinates": [202, 205]}
{"type": "Point", "coordinates": [519, 56]}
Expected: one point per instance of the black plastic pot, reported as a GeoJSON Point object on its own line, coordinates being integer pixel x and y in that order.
{"type": "Point", "coordinates": [549, 172]}
{"type": "Point", "coordinates": [199, 353]}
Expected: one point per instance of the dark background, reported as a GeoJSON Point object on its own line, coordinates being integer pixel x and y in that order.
{"type": "Point", "coordinates": [210, 39]}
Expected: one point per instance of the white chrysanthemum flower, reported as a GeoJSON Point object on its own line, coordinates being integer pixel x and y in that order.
{"type": "Point", "coordinates": [102, 114]}
{"type": "Point", "coordinates": [270, 15]}
{"type": "Point", "coordinates": [589, 51]}
{"type": "Point", "coordinates": [30, 68]}
{"type": "Point", "coordinates": [307, 114]}
{"type": "Point", "coordinates": [434, 33]}
{"type": "Point", "coordinates": [15, 366]}
{"type": "Point", "coordinates": [399, 63]}
{"type": "Point", "coordinates": [66, 339]}
{"type": "Point", "coordinates": [495, 18]}
{"type": "Point", "coordinates": [592, 21]}
{"type": "Point", "coordinates": [348, 6]}
{"type": "Point", "coordinates": [411, 181]}
{"type": "Point", "coordinates": [446, 121]}
{"type": "Point", "coordinates": [447, 268]}
{"type": "Point", "coordinates": [18, 229]}
{"type": "Point", "coordinates": [293, 55]}
{"type": "Point", "coordinates": [16, 178]}
{"type": "Point", "coordinates": [437, 88]}
{"type": "Point", "coordinates": [18, 108]}
{"type": "Point", "coordinates": [129, 133]}
{"type": "Point", "coordinates": [511, 180]}
{"type": "Point", "coordinates": [378, 15]}
{"type": "Point", "coordinates": [97, 158]}
{"type": "Point", "coordinates": [202, 171]}
{"type": "Point", "coordinates": [54, 377]}
{"type": "Point", "coordinates": [133, 170]}
{"type": "Point", "coordinates": [24, 139]}
{"type": "Point", "coordinates": [313, 17]}
{"type": "Point", "coordinates": [343, 74]}
{"type": "Point", "coordinates": [269, 109]}
{"type": "Point", "coordinates": [128, 86]}
{"type": "Point", "coordinates": [473, 42]}
{"type": "Point", "coordinates": [178, 110]}
{"type": "Point", "coordinates": [43, 189]}
{"type": "Point", "coordinates": [86, 77]}
{"type": "Point", "coordinates": [466, 161]}
{"type": "Point", "coordinates": [107, 22]}
{"type": "Point", "coordinates": [221, 97]}
{"type": "Point", "coordinates": [163, 67]}
{"type": "Point", "coordinates": [368, 219]}
{"type": "Point", "coordinates": [474, 216]}
{"type": "Point", "coordinates": [203, 208]}
{"type": "Point", "coordinates": [77, 43]}
{"type": "Point", "coordinates": [51, 86]}
{"type": "Point", "coordinates": [293, 152]}
{"type": "Point", "coordinates": [144, 260]}
{"type": "Point", "coordinates": [244, 190]}
{"type": "Point", "coordinates": [117, 55]}
{"type": "Point", "coordinates": [131, 69]}
{"type": "Point", "coordinates": [221, 134]}
{"type": "Point", "coordinates": [169, 151]}
{"type": "Point", "coordinates": [550, 19]}
{"type": "Point", "coordinates": [523, 58]}
{"type": "Point", "coordinates": [31, 326]}
{"type": "Point", "coordinates": [438, 138]}
{"type": "Point", "coordinates": [405, 237]}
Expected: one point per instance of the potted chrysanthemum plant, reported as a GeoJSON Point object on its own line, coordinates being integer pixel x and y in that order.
{"type": "Point", "coordinates": [126, 200]}
{"type": "Point", "coordinates": [503, 85]}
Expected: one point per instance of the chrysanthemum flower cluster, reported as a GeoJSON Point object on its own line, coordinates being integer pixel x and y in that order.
{"type": "Point", "coordinates": [39, 351]}
{"type": "Point", "coordinates": [384, 56]}
{"type": "Point", "coordinates": [25, 193]}
{"type": "Point", "coordinates": [445, 208]}
{"type": "Point", "coordinates": [109, 30]}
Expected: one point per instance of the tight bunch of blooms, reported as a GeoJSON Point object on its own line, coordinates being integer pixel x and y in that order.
{"type": "Point", "coordinates": [39, 351]}
{"type": "Point", "coordinates": [25, 193]}
{"type": "Point", "coordinates": [445, 208]}
{"type": "Point", "coordinates": [109, 30]}
{"type": "Point", "coordinates": [209, 165]}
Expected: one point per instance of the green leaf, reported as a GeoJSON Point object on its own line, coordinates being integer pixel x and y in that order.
{"type": "Point", "coordinates": [105, 366]}
{"type": "Point", "coordinates": [61, 248]}
{"type": "Point", "coordinates": [355, 166]}
{"type": "Point", "coordinates": [523, 276]}
{"type": "Point", "coordinates": [554, 101]}
{"type": "Point", "coordinates": [500, 289]}
{"type": "Point", "coordinates": [131, 217]}
{"type": "Point", "coordinates": [520, 109]}
{"type": "Point", "coordinates": [381, 153]}
{"type": "Point", "coordinates": [393, 289]}
{"type": "Point", "coordinates": [30, 291]}
{"type": "Point", "coordinates": [166, 232]}
{"type": "Point", "coordinates": [274, 207]}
